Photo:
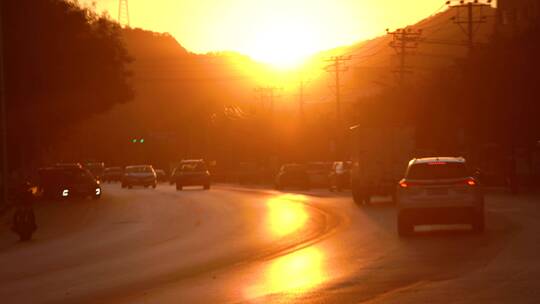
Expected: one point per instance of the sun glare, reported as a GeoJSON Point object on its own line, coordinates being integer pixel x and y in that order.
{"type": "Point", "coordinates": [286, 214]}
{"type": "Point", "coordinates": [292, 274]}
{"type": "Point", "coordinates": [283, 44]}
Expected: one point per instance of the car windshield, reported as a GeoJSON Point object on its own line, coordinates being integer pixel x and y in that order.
{"type": "Point", "coordinates": [195, 166]}
{"type": "Point", "coordinates": [144, 169]}
{"type": "Point", "coordinates": [64, 176]}
{"type": "Point", "coordinates": [438, 170]}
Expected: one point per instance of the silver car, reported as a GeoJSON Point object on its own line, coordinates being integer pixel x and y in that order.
{"type": "Point", "coordinates": [142, 175]}
{"type": "Point", "coordinates": [439, 190]}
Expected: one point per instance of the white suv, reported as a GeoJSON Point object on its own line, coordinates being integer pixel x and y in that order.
{"type": "Point", "coordinates": [439, 190]}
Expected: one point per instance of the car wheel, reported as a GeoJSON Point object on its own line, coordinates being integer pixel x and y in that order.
{"type": "Point", "coordinates": [123, 185]}
{"type": "Point", "coordinates": [478, 224]}
{"type": "Point", "coordinates": [130, 187]}
{"type": "Point", "coordinates": [404, 227]}
{"type": "Point", "coordinates": [154, 186]}
{"type": "Point", "coordinates": [179, 187]}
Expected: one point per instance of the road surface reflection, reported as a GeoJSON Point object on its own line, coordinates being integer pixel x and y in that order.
{"type": "Point", "coordinates": [293, 274]}
{"type": "Point", "coordinates": [286, 214]}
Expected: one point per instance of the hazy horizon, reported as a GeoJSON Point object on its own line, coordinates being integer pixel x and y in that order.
{"type": "Point", "coordinates": [304, 28]}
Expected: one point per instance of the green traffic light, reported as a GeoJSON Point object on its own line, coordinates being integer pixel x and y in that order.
{"type": "Point", "coordinates": [142, 140]}
{"type": "Point", "coordinates": [134, 141]}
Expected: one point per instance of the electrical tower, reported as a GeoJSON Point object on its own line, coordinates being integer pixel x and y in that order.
{"type": "Point", "coordinates": [403, 41]}
{"type": "Point", "coordinates": [469, 23]}
{"type": "Point", "coordinates": [123, 13]}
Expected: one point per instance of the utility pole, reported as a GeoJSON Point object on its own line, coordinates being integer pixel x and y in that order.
{"type": "Point", "coordinates": [3, 116]}
{"type": "Point", "coordinates": [267, 94]}
{"type": "Point", "coordinates": [337, 67]}
{"type": "Point", "coordinates": [469, 24]}
{"type": "Point", "coordinates": [123, 13]}
{"type": "Point", "coordinates": [301, 95]}
{"type": "Point", "coordinates": [404, 40]}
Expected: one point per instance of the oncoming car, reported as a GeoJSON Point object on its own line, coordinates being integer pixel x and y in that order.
{"type": "Point", "coordinates": [67, 182]}
{"type": "Point", "coordinates": [439, 190]}
{"type": "Point", "coordinates": [142, 175]}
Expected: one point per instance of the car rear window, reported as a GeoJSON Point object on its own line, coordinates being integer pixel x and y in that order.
{"type": "Point", "coordinates": [437, 170]}
{"type": "Point", "coordinates": [139, 169]}
{"type": "Point", "coordinates": [198, 166]}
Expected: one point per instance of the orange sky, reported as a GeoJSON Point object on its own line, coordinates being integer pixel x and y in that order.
{"type": "Point", "coordinates": [274, 31]}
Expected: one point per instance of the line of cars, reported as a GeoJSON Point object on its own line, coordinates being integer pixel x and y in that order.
{"type": "Point", "coordinates": [76, 180]}
{"type": "Point", "coordinates": [187, 173]}
{"type": "Point", "coordinates": [432, 190]}
{"type": "Point", "coordinates": [435, 190]}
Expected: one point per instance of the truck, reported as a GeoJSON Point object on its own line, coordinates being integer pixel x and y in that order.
{"type": "Point", "coordinates": [380, 156]}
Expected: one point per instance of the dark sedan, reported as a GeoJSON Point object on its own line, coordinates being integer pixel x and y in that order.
{"type": "Point", "coordinates": [292, 176]}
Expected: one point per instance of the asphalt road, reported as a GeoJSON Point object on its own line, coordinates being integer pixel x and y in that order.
{"type": "Point", "coordinates": [238, 245]}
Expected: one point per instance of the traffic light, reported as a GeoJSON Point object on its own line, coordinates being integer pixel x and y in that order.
{"type": "Point", "coordinates": [136, 140]}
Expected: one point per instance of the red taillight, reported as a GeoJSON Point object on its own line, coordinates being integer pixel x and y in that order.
{"type": "Point", "coordinates": [404, 184]}
{"type": "Point", "coordinates": [471, 182]}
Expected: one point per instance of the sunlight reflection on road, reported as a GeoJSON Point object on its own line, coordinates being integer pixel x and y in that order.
{"type": "Point", "coordinates": [286, 214]}
{"type": "Point", "coordinates": [293, 274]}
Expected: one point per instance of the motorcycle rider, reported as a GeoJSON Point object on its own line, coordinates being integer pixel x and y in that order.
{"type": "Point", "coordinates": [24, 219]}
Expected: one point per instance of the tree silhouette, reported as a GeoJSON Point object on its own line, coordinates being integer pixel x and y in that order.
{"type": "Point", "coordinates": [63, 63]}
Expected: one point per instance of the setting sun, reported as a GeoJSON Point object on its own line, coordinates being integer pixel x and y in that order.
{"type": "Point", "coordinates": [284, 43]}
{"type": "Point", "coordinates": [281, 33]}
